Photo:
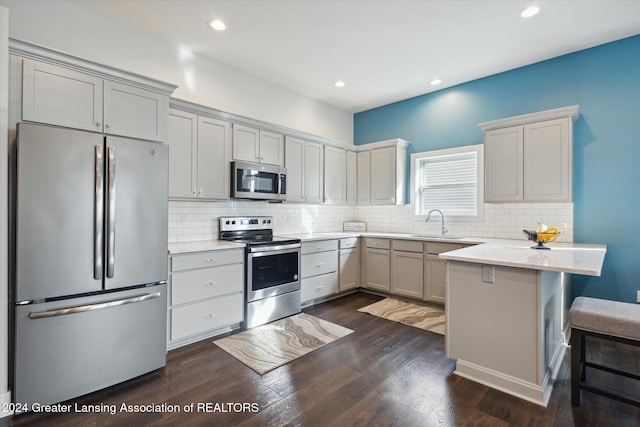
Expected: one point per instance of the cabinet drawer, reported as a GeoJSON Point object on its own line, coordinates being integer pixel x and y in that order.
{"type": "Point", "coordinates": [319, 246]}
{"type": "Point", "coordinates": [439, 247]}
{"type": "Point", "coordinates": [193, 285]}
{"type": "Point", "coordinates": [408, 245]}
{"type": "Point", "coordinates": [206, 259]}
{"type": "Point", "coordinates": [377, 243]}
{"type": "Point", "coordinates": [351, 242]}
{"type": "Point", "coordinates": [207, 315]}
{"type": "Point", "coordinates": [319, 286]}
{"type": "Point", "coordinates": [320, 263]}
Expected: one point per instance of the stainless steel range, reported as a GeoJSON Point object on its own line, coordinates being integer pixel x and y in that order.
{"type": "Point", "coordinates": [272, 268]}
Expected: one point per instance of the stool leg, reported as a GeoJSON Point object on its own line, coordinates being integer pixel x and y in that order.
{"type": "Point", "coordinates": [577, 357]}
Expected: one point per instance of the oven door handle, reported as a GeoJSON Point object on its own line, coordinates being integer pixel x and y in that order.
{"type": "Point", "coordinates": [274, 248]}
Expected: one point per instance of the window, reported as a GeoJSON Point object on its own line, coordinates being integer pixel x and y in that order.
{"type": "Point", "coordinates": [450, 180]}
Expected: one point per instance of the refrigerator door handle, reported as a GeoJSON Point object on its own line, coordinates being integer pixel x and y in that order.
{"type": "Point", "coordinates": [91, 307]}
{"type": "Point", "coordinates": [111, 210]}
{"type": "Point", "coordinates": [98, 221]}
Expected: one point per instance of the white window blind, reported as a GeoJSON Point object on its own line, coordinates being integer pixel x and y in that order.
{"type": "Point", "coordinates": [449, 182]}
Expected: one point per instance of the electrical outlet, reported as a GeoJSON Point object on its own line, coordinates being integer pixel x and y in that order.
{"type": "Point", "coordinates": [488, 274]}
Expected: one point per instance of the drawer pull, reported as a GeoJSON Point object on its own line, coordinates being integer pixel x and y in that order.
{"type": "Point", "coordinates": [320, 287]}
{"type": "Point", "coordinates": [210, 284]}
{"type": "Point", "coordinates": [210, 316]}
{"type": "Point", "coordinates": [210, 260]}
{"type": "Point", "coordinates": [319, 265]}
{"type": "Point", "coordinates": [320, 247]}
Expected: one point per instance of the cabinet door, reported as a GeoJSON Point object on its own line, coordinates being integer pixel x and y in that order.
{"type": "Point", "coordinates": [246, 143]}
{"type": "Point", "coordinates": [59, 96]}
{"type": "Point", "coordinates": [271, 148]}
{"type": "Point", "coordinates": [134, 112]}
{"type": "Point", "coordinates": [182, 140]}
{"type": "Point", "coordinates": [547, 160]}
{"type": "Point", "coordinates": [364, 177]}
{"type": "Point", "coordinates": [294, 162]}
{"type": "Point", "coordinates": [503, 151]}
{"type": "Point", "coordinates": [214, 154]}
{"type": "Point", "coordinates": [383, 176]}
{"type": "Point", "coordinates": [352, 178]}
{"type": "Point", "coordinates": [349, 266]}
{"type": "Point", "coordinates": [313, 172]}
{"type": "Point", "coordinates": [406, 271]}
{"type": "Point", "coordinates": [435, 283]}
{"type": "Point", "coordinates": [335, 175]}
{"type": "Point", "coordinates": [378, 269]}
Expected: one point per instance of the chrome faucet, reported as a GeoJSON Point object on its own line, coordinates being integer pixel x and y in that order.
{"type": "Point", "coordinates": [444, 228]}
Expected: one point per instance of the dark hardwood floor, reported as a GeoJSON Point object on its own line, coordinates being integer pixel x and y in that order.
{"type": "Point", "coordinates": [383, 374]}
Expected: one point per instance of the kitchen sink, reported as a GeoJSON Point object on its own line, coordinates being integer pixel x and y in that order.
{"type": "Point", "coordinates": [437, 236]}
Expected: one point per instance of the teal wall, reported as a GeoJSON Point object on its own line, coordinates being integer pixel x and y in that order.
{"type": "Point", "coordinates": [605, 82]}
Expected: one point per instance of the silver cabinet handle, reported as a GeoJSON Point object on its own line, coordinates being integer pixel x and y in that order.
{"type": "Point", "coordinates": [91, 307]}
{"type": "Point", "coordinates": [98, 125]}
{"type": "Point", "coordinates": [98, 214]}
{"type": "Point", "coordinates": [111, 211]}
{"type": "Point", "coordinates": [210, 260]}
{"type": "Point", "coordinates": [210, 284]}
{"type": "Point", "coordinates": [319, 265]}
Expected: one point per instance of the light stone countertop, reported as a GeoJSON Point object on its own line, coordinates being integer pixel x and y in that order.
{"type": "Point", "coordinates": [575, 258]}
{"type": "Point", "coordinates": [202, 246]}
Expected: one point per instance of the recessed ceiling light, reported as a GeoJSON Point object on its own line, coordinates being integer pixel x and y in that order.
{"type": "Point", "coordinates": [339, 83]}
{"type": "Point", "coordinates": [435, 82]}
{"type": "Point", "coordinates": [530, 11]}
{"type": "Point", "coordinates": [217, 24]}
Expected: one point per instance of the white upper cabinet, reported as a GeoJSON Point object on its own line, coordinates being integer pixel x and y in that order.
{"type": "Point", "coordinates": [60, 96]}
{"type": "Point", "coordinates": [199, 155]}
{"type": "Point", "coordinates": [255, 145]}
{"type": "Point", "coordinates": [214, 155]}
{"type": "Point", "coordinates": [304, 164]}
{"type": "Point", "coordinates": [70, 98]}
{"type": "Point", "coordinates": [335, 175]}
{"type": "Point", "coordinates": [364, 177]}
{"type": "Point", "coordinates": [183, 150]}
{"type": "Point", "coordinates": [531, 160]}
{"type": "Point", "coordinates": [135, 112]}
{"type": "Point", "coordinates": [352, 178]}
{"type": "Point", "coordinates": [382, 172]}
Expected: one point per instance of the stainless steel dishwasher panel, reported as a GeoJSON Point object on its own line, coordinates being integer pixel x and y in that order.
{"type": "Point", "coordinates": [65, 349]}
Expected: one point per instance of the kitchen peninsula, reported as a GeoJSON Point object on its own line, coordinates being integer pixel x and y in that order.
{"type": "Point", "coordinates": [507, 309]}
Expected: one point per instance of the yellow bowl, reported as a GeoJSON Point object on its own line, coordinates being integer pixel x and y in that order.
{"type": "Point", "coordinates": [545, 237]}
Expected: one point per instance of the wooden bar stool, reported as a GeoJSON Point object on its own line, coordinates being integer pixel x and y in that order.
{"type": "Point", "coordinates": [607, 320]}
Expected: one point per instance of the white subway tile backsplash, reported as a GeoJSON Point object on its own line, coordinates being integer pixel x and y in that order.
{"type": "Point", "coordinates": [190, 221]}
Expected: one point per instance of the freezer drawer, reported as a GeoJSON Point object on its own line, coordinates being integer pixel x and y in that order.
{"type": "Point", "coordinates": [62, 354]}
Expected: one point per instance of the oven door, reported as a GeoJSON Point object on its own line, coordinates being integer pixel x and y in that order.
{"type": "Point", "coordinates": [272, 270]}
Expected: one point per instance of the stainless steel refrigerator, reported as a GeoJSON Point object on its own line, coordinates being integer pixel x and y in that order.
{"type": "Point", "coordinates": [90, 262]}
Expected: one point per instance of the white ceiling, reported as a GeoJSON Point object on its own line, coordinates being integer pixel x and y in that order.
{"type": "Point", "coordinates": [385, 50]}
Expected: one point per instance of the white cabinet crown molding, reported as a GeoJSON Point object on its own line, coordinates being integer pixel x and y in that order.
{"type": "Point", "coordinates": [572, 111]}
{"type": "Point", "coordinates": [43, 54]}
{"type": "Point", "coordinates": [396, 142]}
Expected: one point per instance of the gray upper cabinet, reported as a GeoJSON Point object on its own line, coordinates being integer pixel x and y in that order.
{"type": "Point", "coordinates": [65, 97]}
{"type": "Point", "coordinates": [531, 160]}
{"type": "Point", "coordinates": [304, 164]}
{"type": "Point", "coordinates": [199, 155]}
{"type": "Point", "coordinates": [335, 175]}
{"type": "Point", "coordinates": [381, 172]}
{"type": "Point", "coordinates": [256, 145]}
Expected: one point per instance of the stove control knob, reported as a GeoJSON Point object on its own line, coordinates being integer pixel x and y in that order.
{"type": "Point", "coordinates": [233, 222]}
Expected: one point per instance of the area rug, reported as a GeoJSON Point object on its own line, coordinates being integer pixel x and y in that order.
{"type": "Point", "coordinates": [420, 316]}
{"type": "Point", "coordinates": [272, 345]}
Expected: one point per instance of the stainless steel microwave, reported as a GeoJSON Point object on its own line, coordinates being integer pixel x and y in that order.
{"type": "Point", "coordinates": [258, 181]}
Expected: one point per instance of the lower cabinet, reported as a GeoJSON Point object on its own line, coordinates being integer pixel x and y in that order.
{"type": "Point", "coordinates": [435, 270]}
{"type": "Point", "coordinates": [349, 264]}
{"type": "Point", "coordinates": [407, 269]}
{"type": "Point", "coordinates": [206, 295]}
{"type": "Point", "coordinates": [377, 264]}
{"type": "Point", "coordinates": [319, 270]}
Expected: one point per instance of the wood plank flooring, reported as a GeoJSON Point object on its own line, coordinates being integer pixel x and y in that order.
{"type": "Point", "coordinates": [383, 374]}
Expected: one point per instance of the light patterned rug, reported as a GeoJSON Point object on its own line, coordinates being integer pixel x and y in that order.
{"type": "Point", "coordinates": [419, 316]}
{"type": "Point", "coordinates": [272, 345]}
